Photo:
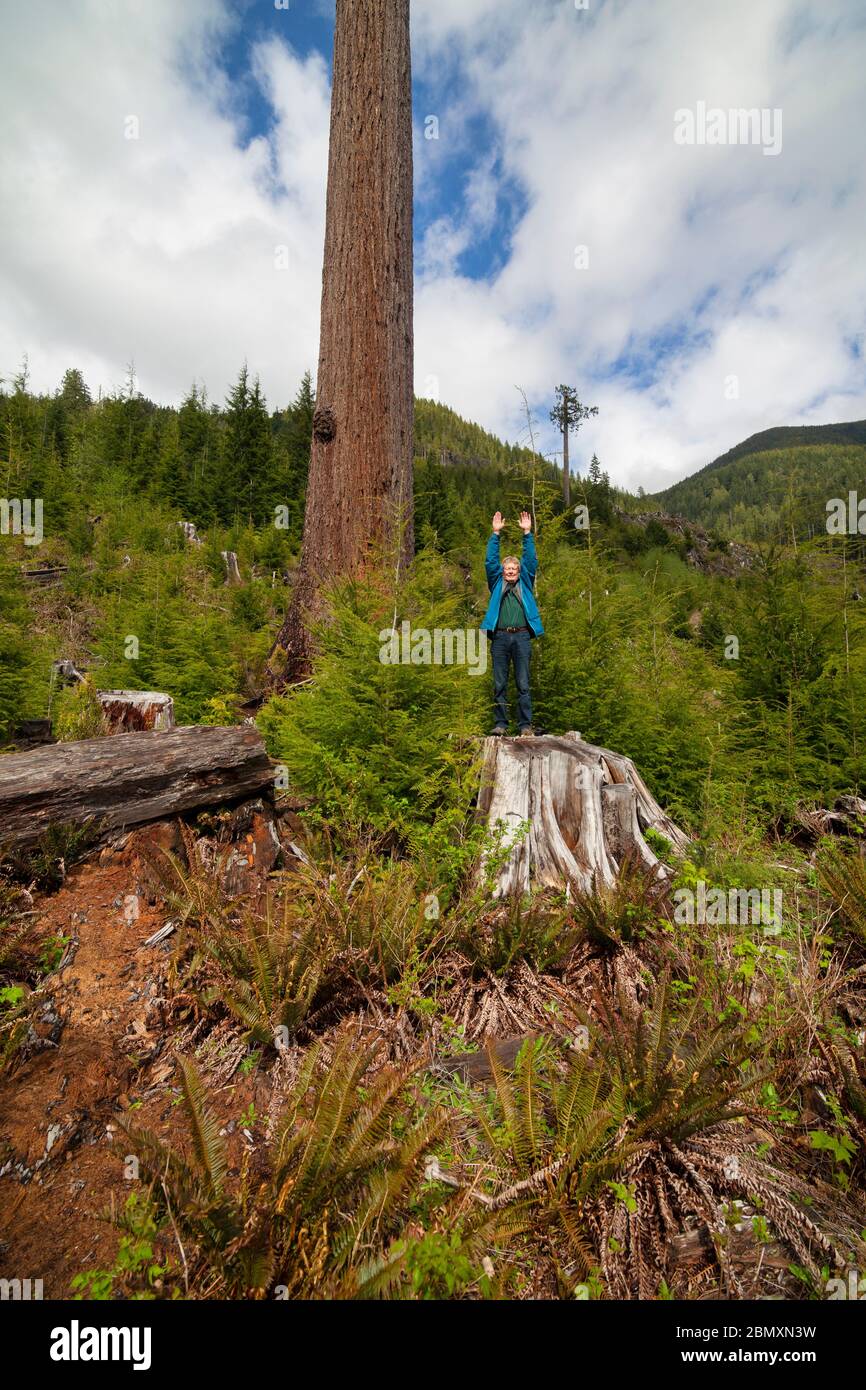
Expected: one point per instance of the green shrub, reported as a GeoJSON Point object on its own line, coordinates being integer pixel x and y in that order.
{"type": "Point", "coordinates": [387, 749]}
{"type": "Point", "coordinates": [78, 713]}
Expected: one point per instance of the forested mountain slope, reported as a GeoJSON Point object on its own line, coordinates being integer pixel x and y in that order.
{"type": "Point", "coordinates": [775, 484]}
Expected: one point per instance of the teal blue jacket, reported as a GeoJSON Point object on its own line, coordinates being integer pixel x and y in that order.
{"type": "Point", "coordinates": [524, 587]}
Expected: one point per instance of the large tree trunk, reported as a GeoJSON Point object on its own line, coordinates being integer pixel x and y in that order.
{"type": "Point", "coordinates": [359, 494]}
{"type": "Point", "coordinates": [128, 780]}
{"type": "Point", "coordinates": [585, 807]}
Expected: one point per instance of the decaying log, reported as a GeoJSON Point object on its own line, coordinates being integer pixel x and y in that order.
{"type": "Point", "coordinates": [742, 1246]}
{"type": "Point", "coordinates": [129, 780]}
{"type": "Point", "coordinates": [477, 1066]}
{"type": "Point", "coordinates": [847, 817]}
{"type": "Point", "coordinates": [129, 711]}
{"type": "Point", "coordinates": [569, 814]}
{"type": "Point", "coordinates": [45, 575]}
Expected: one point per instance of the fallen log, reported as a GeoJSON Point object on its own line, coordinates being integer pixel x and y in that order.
{"type": "Point", "coordinates": [66, 671]}
{"type": "Point", "coordinates": [742, 1246]}
{"type": "Point", "coordinates": [45, 575]}
{"type": "Point", "coordinates": [847, 817]}
{"type": "Point", "coordinates": [476, 1067]}
{"type": "Point", "coordinates": [568, 815]}
{"type": "Point", "coordinates": [129, 780]}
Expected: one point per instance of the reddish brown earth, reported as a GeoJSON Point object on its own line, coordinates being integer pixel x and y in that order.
{"type": "Point", "coordinates": [111, 1051]}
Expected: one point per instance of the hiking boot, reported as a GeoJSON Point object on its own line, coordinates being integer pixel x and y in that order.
{"type": "Point", "coordinates": [500, 731]}
{"type": "Point", "coordinates": [527, 731]}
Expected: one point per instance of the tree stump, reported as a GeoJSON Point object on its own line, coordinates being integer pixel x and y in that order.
{"type": "Point", "coordinates": [569, 814]}
{"type": "Point", "coordinates": [126, 711]}
{"type": "Point", "coordinates": [233, 573]}
{"type": "Point", "coordinates": [191, 534]}
{"type": "Point", "coordinates": [130, 711]}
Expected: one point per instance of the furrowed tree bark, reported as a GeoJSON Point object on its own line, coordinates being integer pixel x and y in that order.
{"type": "Point", "coordinates": [359, 493]}
{"type": "Point", "coordinates": [127, 780]}
{"type": "Point", "coordinates": [569, 813]}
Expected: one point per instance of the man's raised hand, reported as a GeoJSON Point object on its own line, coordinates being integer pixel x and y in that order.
{"type": "Point", "coordinates": [525, 522]}
{"type": "Point", "coordinates": [497, 523]}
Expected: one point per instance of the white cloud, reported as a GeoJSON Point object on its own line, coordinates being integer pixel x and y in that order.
{"type": "Point", "coordinates": [750, 263]}
{"type": "Point", "coordinates": [160, 249]}
{"type": "Point", "coordinates": [704, 262]}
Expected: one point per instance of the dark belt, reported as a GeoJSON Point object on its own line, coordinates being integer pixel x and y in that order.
{"type": "Point", "coordinates": [513, 629]}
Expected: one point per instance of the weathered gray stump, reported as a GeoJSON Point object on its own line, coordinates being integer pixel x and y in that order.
{"type": "Point", "coordinates": [233, 573]}
{"type": "Point", "coordinates": [569, 814]}
{"type": "Point", "coordinates": [128, 780]}
{"type": "Point", "coordinates": [189, 531]}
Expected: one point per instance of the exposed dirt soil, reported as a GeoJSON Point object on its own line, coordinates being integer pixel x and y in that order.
{"type": "Point", "coordinates": [103, 1048]}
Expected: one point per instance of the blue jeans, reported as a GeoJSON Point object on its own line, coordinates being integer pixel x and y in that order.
{"type": "Point", "coordinates": [511, 647]}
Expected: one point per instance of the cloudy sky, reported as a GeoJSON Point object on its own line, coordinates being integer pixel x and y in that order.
{"type": "Point", "coordinates": [163, 174]}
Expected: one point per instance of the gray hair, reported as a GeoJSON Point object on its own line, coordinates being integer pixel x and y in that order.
{"type": "Point", "coordinates": [511, 560]}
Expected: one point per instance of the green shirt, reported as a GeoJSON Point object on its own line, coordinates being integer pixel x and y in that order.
{"type": "Point", "coordinates": [511, 612]}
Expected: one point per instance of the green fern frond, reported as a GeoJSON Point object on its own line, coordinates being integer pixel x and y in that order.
{"type": "Point", "coordinates": [207, 1143]}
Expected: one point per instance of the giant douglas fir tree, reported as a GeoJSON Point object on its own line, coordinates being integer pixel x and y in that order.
{"type": "Point", "coordinates": [359, 493]}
